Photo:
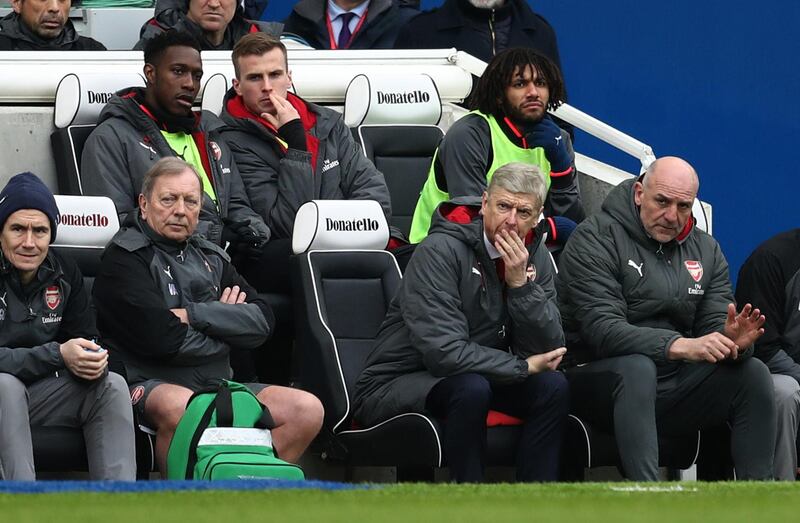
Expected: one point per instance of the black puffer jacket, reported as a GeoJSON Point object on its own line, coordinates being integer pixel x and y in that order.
{"type": "Point", "coordinates": [278, 183]}
{"type": "Point", "coordinates": [453, 315]}
{"type": "Point", "coordinates": [14, 36]}
{"type": "Point", "coordinates": [171, 14]}
{"type": "Point", "coordinates": [37, 318]}
{"type": "Point", "coordinates": [127, 142]}
{"type": "Point", "coordinates": [480, 32]}
{"type": "Point", "coordinates": [770, 280]}
{"type": "Point", "coordinates": [142, 276]}
{"type": "Point", "coordinates": [622, 292]}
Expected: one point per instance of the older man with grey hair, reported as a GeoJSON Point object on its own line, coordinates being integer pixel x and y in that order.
{"type": "Point", "coordinates": [171, 306]}
{"type": "Point", "coordinates": [475, 326]}
{"type": "Point", "coordinates": [652, 328]}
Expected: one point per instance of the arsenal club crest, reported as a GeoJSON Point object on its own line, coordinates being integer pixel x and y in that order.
{"type": "Point", "coordinates": [216, 150]}
{"type": "Point", "coordinates": [530, 272]}
{"type": "Point", "coordinates": [136, 394]}
{"type": "Point", "coordinates": [695, 269]}
{"type": "Point", "coordinates": [52, 297]}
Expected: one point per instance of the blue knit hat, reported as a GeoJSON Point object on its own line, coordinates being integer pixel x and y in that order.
{"type": "Point", "coordinates": [27, 191]}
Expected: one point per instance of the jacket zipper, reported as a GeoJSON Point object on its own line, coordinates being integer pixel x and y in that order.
{"type": "Point", "coordinates": [491, 32]}
{"type": "Point", "coordinates": [670, 276]}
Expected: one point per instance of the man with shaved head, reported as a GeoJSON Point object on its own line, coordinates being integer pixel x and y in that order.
{"type": "Point", "coordinates": [656, 345]}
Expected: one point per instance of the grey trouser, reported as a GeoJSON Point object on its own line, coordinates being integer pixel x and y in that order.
{"type": "Point", "coordinates": [101, 408]}
{"type": "Point", "coordinates": [785, 376]}
{"type": "Point", "coordinates": [624, 395]}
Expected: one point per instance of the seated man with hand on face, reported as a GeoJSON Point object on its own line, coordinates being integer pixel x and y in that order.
{"type": "Point", "coordinates": [51, 373]}
{"type": "Point", "coordinates": [288, 151]}
{"type": "Point", "coordinates": [172, 307]}
{"type": "Point", "coordinates": [475, 326]}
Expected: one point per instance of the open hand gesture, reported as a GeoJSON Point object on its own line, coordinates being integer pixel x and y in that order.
{"type": "Point", "coordinates": [744, 328]}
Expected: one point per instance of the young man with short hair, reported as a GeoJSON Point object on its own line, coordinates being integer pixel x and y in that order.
{"type": "Point", "coordinates": [138, 126]}
{"type": "Point", "coordinates": [289, 151]}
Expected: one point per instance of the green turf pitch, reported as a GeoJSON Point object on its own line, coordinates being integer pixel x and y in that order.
{"type": "Point", "coordinates": [578, 503]}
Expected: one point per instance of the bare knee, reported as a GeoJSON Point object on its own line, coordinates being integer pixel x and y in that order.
{"type": "Point", "coordinates": [294, 408]}
{"type": "Point", "coordinates": [165, 406]}
{"type": "Point", "coordinates": [310, 411]}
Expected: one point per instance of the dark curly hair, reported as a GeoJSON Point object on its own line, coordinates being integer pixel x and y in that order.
{"type": "Point", "coordinates": [154, 48]}
{"type": "Point", "coordinates": [489, 94]}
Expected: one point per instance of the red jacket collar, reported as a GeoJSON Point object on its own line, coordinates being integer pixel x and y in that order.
{"type": "Point", "coordinates": [237, 109]}
{"type": "Point", "coordinates": [463, 214]}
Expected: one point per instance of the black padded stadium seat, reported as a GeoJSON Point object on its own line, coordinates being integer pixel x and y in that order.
{"type": "Point", "coordinates": [341, 295]}
{"type": "Point", "coordinates": [343, 299]}
{"type": "Point", "coordinates": [67, 144]}
{"type": "Point", "coordinates": [403, 153]}
{"type": "Point", "coordinates": [79, 100]}
{"type": "Point", "coordinates": [395, 119]}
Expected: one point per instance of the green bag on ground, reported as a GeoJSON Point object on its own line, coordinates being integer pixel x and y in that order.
{"type": "Point", "coordinates": [225, 434]}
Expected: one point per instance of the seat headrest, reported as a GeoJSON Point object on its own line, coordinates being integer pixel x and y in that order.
{"type": "Point", "coordinates": [86, 221]}
{"type": "Point", "coordinates": [392, 99]}
{"type": "Point", "coordinates": [340, 224]}
{"type": "Point", "coordinates": [214, 93]}
{"type": "Point", "coordinates": [80, 98]}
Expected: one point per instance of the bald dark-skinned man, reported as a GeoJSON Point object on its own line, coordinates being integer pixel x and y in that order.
{"type": "Point", "coordinates": [656, 342]}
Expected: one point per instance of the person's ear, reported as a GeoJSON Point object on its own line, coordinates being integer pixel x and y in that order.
{"type": "Point", "coordinates": [638, 192]}
{"type": "Point", "coordinates": [484, 202]}
{"type": "Point", "coordinates": [143, 206]}
{"type": "Point", "coordinates": [149, 71]}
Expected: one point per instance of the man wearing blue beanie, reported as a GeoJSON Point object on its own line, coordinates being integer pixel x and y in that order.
{"type": "Point", "coordinates": [50, 373]}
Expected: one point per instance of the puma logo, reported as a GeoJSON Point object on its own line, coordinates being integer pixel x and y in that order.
{"type": "Point", "coordinates": [637, 267]}
{"type": "Point", "coordinates": [152, 151]}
